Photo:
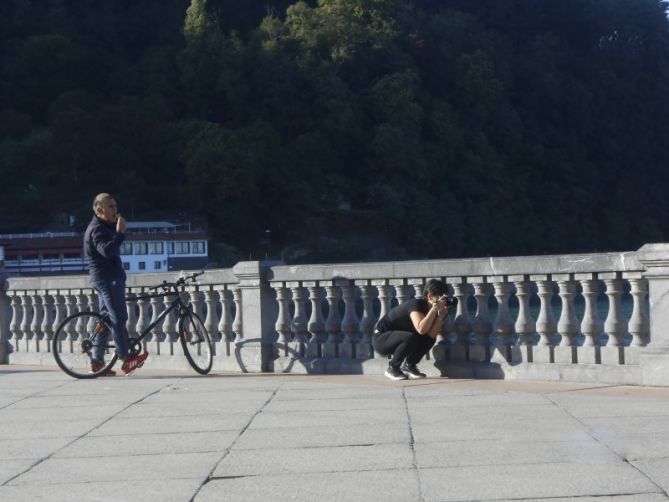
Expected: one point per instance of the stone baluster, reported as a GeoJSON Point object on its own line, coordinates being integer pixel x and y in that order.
{"type": "Point", "coordinates": [17, 321]}
{"type": "Point", "coordinates": [47, 328]}
{"type": "Point", "coordinates": [350, 325]}
{"type": "Point", "coordinates": [386, 292]}
{"type": "Point", "coordinates": [143, 318]}
{"type": "Point", "coordinates": [316, 324]}
{"type": "Point", "coordinates": [525, 325]}
{"type": "Point", "coordinates": [59, 314]}
{"type": "Point", "coordinates": [93, 307]}
{"type": "Point", "coordinates": [299, 324]}
{"type": "Point", "coordinates": [170, 328]}
{"type": "Point", "coordinates": [482, 326]}
{"type": "Point", "coordinates": [157, 307]}
{"type": "Point", "coordinates": [82, 306]}
{"type": "Point", "coordinates": [462, 324]}
{"type": "Point", "coordinates": [403, 291]}
{"type": "Point", "coordinates": [332, 324]}
{"type": "Point", "coordinates": [131, 305]}
{"type": "Point", "coordinates": [503, 327]}
{"type": "Point", "coordinates": [282, 324]}
{"type": "Point", "coordinates": [71, 306]}
{"type": "Point", "coordinates": [568, 325]}
{"type": "Point", "coordinates": [417, 286]}
{"type": "Point", "coordinates": [546, 323]}
{"type": "Point", "coordinates": [238, 324]}
{"type": "Point", "coordinates": [639, 325]}
{"type": "Point", "coordinates": [225, 322]}
{"type": "Point", "coordinates": [211, 320]}
{"type": "Point", "coordinates": [196, 300]}
{"type": "Point", "coordinates": [27, 305]}
{"type": "Point", "coordinates": [364, 349]}
{"type": "Point", "coordinates": [615, 325]}
{"type": "Point", "coordinates": [591, 325]}
{"type": "Point", "coordinates": [36, 324]}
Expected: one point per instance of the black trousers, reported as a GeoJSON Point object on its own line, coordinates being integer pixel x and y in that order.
{"type": "Point", "coordinates": [402, 345]}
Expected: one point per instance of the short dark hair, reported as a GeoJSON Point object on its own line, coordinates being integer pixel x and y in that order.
{"type": "Point", "coordinates": [436, 287]}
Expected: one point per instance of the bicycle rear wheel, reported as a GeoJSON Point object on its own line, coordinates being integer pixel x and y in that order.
{"type": "Point", "coordinates": [79, 337]}
{"type": "Point", "coordinates": [197, 345]}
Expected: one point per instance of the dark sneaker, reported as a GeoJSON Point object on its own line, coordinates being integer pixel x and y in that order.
{"type": "Point", "coordinates": [412, 371]}
{"type": "Point", "coordinates": [394, 373]}
{"type": "Point", "coordinates": [133, 362]}
{"type": "Point", "coordinates": [97, 367]}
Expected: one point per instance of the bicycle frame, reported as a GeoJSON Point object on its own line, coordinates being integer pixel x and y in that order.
{"type": "Point", "coordinates": [176, 303]}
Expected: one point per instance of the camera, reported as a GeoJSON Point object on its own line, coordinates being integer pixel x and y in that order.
{"type": "Point", "coordinates": [449, 301]}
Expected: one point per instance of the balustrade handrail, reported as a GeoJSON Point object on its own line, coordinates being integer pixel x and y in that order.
{"type": "Point", "coordinates": [471, 267]}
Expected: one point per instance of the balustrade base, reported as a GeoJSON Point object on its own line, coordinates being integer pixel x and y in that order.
{"type": "Point", "coordinates": [543, 354]}
{"type": "Point", "coordinates": [655, 365]}
{"type": "Point", "coordinates": [565, 355]}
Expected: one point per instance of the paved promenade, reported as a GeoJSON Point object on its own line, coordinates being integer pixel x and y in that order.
{"type": "Point", "coordinates": [161, 436]}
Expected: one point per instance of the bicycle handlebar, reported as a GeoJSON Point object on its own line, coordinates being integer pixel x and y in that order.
{"type": "Point", "coordinates": [181, 281]}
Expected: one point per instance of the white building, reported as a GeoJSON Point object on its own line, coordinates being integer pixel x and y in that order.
{"type": "Point", "coordinates": [150, 246]}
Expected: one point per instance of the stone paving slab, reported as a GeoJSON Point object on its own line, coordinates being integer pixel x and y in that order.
{"type": "Point", "coordinates": [496, 482]}
{"type": "Point", "coordinates": [164, 425]}
{"type": "Point", "coordinates": [655, 469]}
{"type": "Point", "coordinates": [149, 444]}
{"type": "Point", "coordinates": [395, 485]}
{"type": "Point", "coordinates": [313, 460]}
{"type": "Point", "coordinates": [340, 435]}
{"type": "Point", "coordinates": [162, 490]}
{"type": "Point", "coordinates": [129, 468]}
{"type": "Point", "coordinates": [18, 449]}
{"type": "Point", "coordinates": [174, 436]}
{"type": "Point", "coordinates": [498, 452]}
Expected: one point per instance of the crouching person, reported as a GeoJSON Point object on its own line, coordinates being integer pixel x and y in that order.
{"type": "Point", "coordinates": [410, 330]}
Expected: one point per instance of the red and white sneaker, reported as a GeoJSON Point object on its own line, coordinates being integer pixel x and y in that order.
{"type": "Point", "coordinates": [133, 362]}
{"type": "Point", "coordinates": [97, 367]}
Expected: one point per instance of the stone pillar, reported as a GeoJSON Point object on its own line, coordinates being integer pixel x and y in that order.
{"type": "Point", "coordinates": [257, 311]}
{"type": "Point", "coordinates": [546, 325]}
{"type": "Point", "coordinates": [47, 321]}
{"type": "Point", "coordinates": [503, 328]}
{"type": "Point", "coordinates": [225, 322]}
{"type": "Point", "coordinates": [17, 320]}
{"type": "Point", "coordinates": [28, 312]}
{"type": "Point", "coordinates": [386, 293]}
{"type": "Point", "coordinates": [568, 325]}
{"type": "Point", "coordinates": [654, 358]}
{"type": "Point", "coordinates": [525, 325]}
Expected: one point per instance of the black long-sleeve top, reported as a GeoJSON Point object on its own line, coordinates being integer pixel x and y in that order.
{"type": "Point", "coordinates": [102, 249]}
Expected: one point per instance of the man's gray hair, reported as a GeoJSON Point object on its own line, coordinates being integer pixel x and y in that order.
{"type": "Point", "coordinates": [99, 199]}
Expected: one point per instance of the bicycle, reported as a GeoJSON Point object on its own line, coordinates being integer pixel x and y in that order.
{"type": "Point", "coordinates": [80, 334]}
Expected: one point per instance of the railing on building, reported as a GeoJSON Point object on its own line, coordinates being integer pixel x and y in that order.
{"type": "Point", "coordinates": [539, 317]}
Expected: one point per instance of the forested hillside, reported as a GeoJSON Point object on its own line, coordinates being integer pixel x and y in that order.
{"type": "Point", "coordinates": [350, 129]}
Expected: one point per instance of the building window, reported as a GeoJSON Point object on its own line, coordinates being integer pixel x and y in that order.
{"type": "Point", "coordinates": [140, 248]}
{"type": "Point", "coordinates": [182, 247]}
{"type": "Point", "coordinates": [142, 265]}
{"type": "Point", "coordinates": [156, 247]}
{"type": "Point", "coordinates": [50, 256]}
{"type": "Point", "coordinates": [198, 247]}
{"type": "Point", "coordinates": [71, 256]}
{"type": "Point", "coordinates": [126, 248]}
{"type": "Point", "coordinates": [170, 248]}
{"type": "Point", "coordinates": [156, 265]}
{"type": "Point", "coordinates": [126, 265]}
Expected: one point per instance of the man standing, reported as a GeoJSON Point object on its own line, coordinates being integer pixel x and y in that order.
{"type": "Point", "coordinates": [102, 249]}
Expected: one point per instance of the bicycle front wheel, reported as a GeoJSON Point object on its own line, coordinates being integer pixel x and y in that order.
{"type": "Point", "coordinates": [198, 348]}
{"type": "Point", "coordinates": [83, 345]}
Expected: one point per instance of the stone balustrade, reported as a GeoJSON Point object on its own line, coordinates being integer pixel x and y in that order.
{"type": "Point", "coordinates": [573, 317]}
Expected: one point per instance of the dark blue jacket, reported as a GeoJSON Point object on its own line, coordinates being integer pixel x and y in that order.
{"type": "Point", "coordinates": [102, 249]}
